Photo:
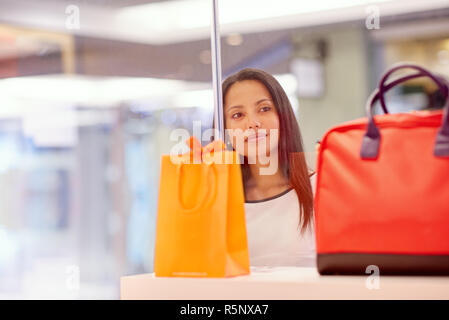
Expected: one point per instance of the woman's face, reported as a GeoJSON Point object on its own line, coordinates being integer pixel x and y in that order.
{"type": "Point", "coordinates": [249, 107]}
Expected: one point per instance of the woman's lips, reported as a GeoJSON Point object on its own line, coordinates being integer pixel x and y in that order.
{"type": "Point", "coordinates": [255, 137]}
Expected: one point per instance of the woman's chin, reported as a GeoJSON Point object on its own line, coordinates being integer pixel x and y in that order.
{"type": "Point", "coordinates": [250, 150]}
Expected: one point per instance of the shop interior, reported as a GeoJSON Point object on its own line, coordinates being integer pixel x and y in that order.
{"type": "Point", "coordinates": [90, 91]}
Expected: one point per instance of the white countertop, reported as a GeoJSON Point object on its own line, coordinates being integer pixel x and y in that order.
{"type": "Point", "coordinates": [284, 283]}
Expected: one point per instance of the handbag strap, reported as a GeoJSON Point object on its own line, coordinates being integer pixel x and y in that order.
{"type": "Point", "coordinates": [378, 92]}
{"type": "Point", "coordinates": [372, 137]}
{"type": "Point", "coordinates": [421, 70]}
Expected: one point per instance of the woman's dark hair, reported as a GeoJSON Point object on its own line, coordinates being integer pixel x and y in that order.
{"type": "Point", "coordinates": [290, 148]}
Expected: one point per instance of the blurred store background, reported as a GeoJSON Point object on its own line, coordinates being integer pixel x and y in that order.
{"type": "Point", "coordinates": [90, 91]}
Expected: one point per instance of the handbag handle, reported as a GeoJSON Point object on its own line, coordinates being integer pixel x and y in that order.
{"type": "Point", "coordinates": [207, 196]}
{"type": "Point", "coordinates": [421, 70]}
{"type": "Point", "coordinates": [377, 93]}
{"type": "Point", "coordinates": [372, 137]}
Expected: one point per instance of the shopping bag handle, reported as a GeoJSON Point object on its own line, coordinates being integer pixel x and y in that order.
{"type": "Point", "coordinates": [372, 137]}
{"type": "Point", "coordinates": [208, 194]}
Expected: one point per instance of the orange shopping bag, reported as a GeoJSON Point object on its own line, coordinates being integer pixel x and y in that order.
{"type": "Point", "coordinates": [201, 230]}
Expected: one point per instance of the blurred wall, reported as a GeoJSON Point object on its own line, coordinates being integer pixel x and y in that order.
{"type": "Point", "coordinates": [346, 65]}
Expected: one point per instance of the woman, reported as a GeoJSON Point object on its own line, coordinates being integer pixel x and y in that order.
{"type": "Point", "coordinates": [278, 205]}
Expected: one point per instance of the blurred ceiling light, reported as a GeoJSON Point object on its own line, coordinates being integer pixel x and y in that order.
{"type": "Point", "coordinates": [234, 39]}
{"type": "Point", "coordinates": [59, 129]}
{"type": "Point", "coordinates": [165, 22]}
{"type": "Point", "coordinates": [32, 96]}
{"type": "Point", "coordinates": [194, 98]}
{"type": "Point", "coordinates": [174, 21]}
{"type": "Point", "coordinates": [60, 118]}
{"type": "Point", "coordinates": [90, 91]}
{"type": "Point", "coordinates": [191, 14]}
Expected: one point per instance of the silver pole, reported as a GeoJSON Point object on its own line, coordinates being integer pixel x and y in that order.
{"type": "Point", "coordinates": [216, 71]}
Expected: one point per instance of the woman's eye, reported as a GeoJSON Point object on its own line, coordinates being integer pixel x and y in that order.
{"type": "Point", "coordinates": [236, 115]}
{"type": "Point", "coordinates": [265, 109]}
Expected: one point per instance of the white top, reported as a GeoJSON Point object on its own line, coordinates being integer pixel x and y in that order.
{"type": "Point", "coordinates": [274, 238]}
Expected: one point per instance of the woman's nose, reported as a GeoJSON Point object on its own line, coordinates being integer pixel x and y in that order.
{"type": "Point", "coordinates": [253, 124]}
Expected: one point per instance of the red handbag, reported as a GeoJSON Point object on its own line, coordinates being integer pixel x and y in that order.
{"type": "Point", "coordinates": [382, 194]}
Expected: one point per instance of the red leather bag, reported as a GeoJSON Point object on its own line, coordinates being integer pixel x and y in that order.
{"type": "Point", "coordinates": [382, 194]}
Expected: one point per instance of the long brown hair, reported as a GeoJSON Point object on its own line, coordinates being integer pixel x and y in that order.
{"type": "Point", "coordinates": [290, 148]}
